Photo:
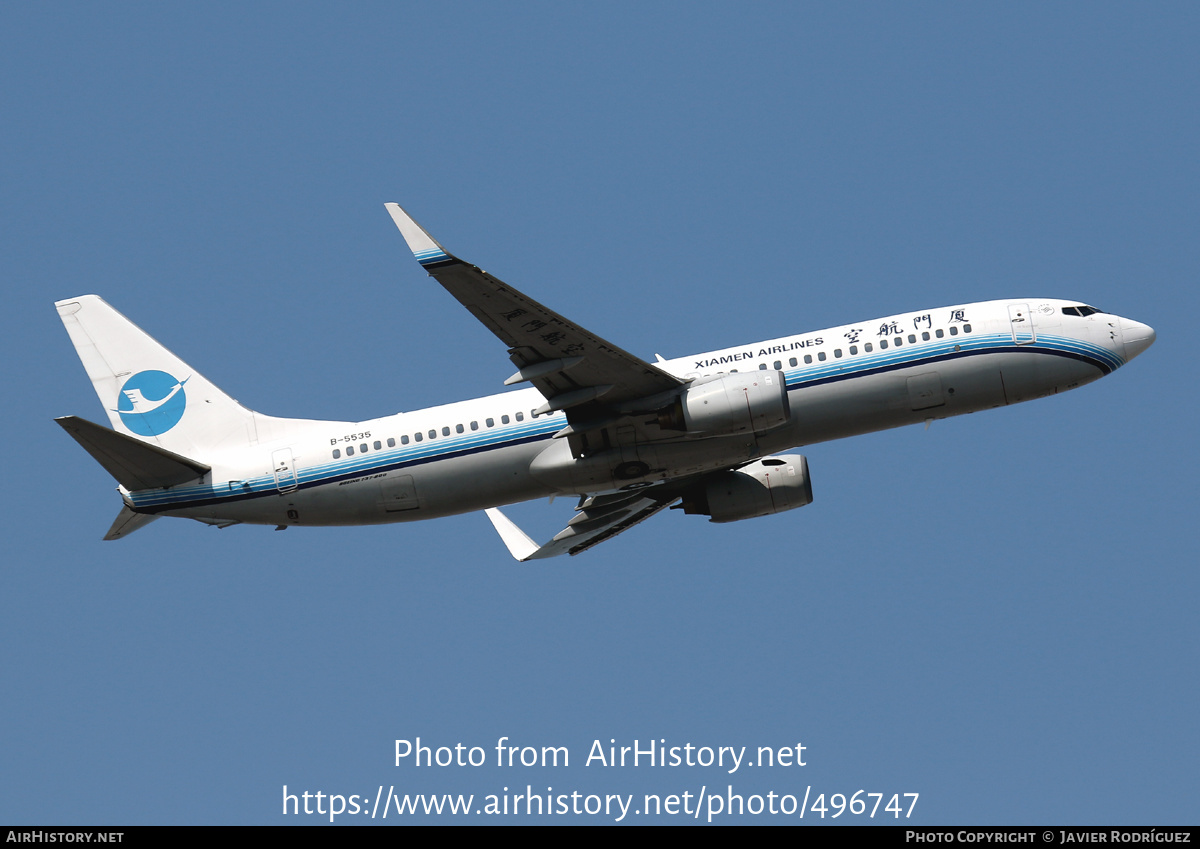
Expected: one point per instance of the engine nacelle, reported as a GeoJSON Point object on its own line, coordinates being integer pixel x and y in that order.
{"type": "Point", "coordinates": [766, 486]}
{"type": "Point", "coordinates": [742, 402]}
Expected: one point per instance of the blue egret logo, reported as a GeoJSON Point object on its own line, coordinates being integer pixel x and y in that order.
{"type": "Point", "coordinates": [152, 402]}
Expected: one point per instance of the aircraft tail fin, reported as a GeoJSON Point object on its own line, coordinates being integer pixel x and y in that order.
{"type": "Point", "coordinates": [149, 393]}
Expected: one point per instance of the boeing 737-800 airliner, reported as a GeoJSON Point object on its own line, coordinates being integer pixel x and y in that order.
{"type": "Point", "coordinates": [629, 437]}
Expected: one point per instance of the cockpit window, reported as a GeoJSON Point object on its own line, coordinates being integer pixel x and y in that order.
{"type": "Point", "coordinates": [1080, 311]}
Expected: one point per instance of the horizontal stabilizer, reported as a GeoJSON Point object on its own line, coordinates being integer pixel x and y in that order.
{"type": "Point", "coordinates": [135, 464]}
{"type": "Point", "coordinates": [127, 522]}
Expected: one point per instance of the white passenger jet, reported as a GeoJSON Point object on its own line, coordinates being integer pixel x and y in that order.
{"type": "Point", "coordinates": [629, 437]}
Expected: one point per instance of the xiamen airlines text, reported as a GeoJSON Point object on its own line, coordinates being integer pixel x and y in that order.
{"type": "Point", "coordinates": [698, 800]}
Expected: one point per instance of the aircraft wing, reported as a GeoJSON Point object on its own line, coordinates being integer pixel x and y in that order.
{"type": "Point", "coordinates": [597, 518]}
{"type": "Point", "coordinates": [569, 365]}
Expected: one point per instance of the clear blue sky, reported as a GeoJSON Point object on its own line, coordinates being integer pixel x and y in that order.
{"type": "Point", "coordinates": [998, 613]}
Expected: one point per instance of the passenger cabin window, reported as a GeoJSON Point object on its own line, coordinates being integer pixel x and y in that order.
{"type": "Point", "coordinates": [807, 359]}
{"type": "Point", "coordinates": [337, 452]}
{"type": "Point", "coordinates": [404, 440]}
{"type": "Point", "coordinates": [837, 353]}
{"type": "Point", "coordinates": [868, 348]}
{"type": "Point", "coordinates": [898, 341]}
{"type": "Point", "coordinates": [377, 445]}
{"type": "Point", "coordinates": [520, 417]}
{"type": "Point", "coordinates": [762, 366]}
{"type": "Point", "coordinates": [474, 425]}
{"type": "Point", "coordinates": [490, 422]}
{"type": "Point", "coordinates": [391, 442]}
{"type": "Point", "coordinates": [459, 428]}
{"type": "Point", "coordinates": [966, 328]}
{"type": "Point", "coordinates": [504, 419]}
{"type": "Point", "coordinates": [446, 431]}
{"type": "Point", "coordinates": [349, 450]}
{"type": "Point", "coordinates": [792, 362]}
{"type": "Point", "coordinates": [853, 350]}
{"type": "Point", "coordinates": [821, 356]}
{"type": "Point", "coordinates": [912, 338]}
{"type": "Point", "coordinates": [363, 448]}
{"type": "Point", "coordinates": [954, 330]}
{"type": "Point", "coordinates": [925, 336]}
{"type": "Point", "coordinates": [417, 436]}
{"type": "Point", "coordinates": [939, 333]}
{"type": "Point", "coordinates": [777, 365]}
{"type": "Point", "coordinates": [882, 344]}
{"type": "Point", "coordinates": [433, 434]}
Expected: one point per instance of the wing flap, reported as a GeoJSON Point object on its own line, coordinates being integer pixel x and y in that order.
{"type": "Point", "coordinates": [596, 520]}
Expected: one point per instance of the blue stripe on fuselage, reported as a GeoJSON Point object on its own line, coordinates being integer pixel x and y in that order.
{"type": "Point", "coordinates": [816, 374]}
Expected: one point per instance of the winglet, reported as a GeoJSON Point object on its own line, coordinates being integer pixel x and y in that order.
{"type": "Point", "coordinates": [519, 545]}
{"type": "Point", "coordinates": [424, 247]}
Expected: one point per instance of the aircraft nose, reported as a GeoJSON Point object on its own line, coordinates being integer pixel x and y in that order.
{"type": "Point", "coordinates": [1138, 337]}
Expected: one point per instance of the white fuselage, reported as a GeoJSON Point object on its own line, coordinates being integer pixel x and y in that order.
{"type": "Point", "coordinates": [471, 455]}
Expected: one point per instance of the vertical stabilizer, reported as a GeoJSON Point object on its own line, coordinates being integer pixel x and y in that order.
{"type": "Point", "coordinates": [148, 392]}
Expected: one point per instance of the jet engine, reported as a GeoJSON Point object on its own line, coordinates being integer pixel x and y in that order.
{"type": "Point", "coordinates": [749, 402]}
{"type": "Point", "coordinates": [766, 486]}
